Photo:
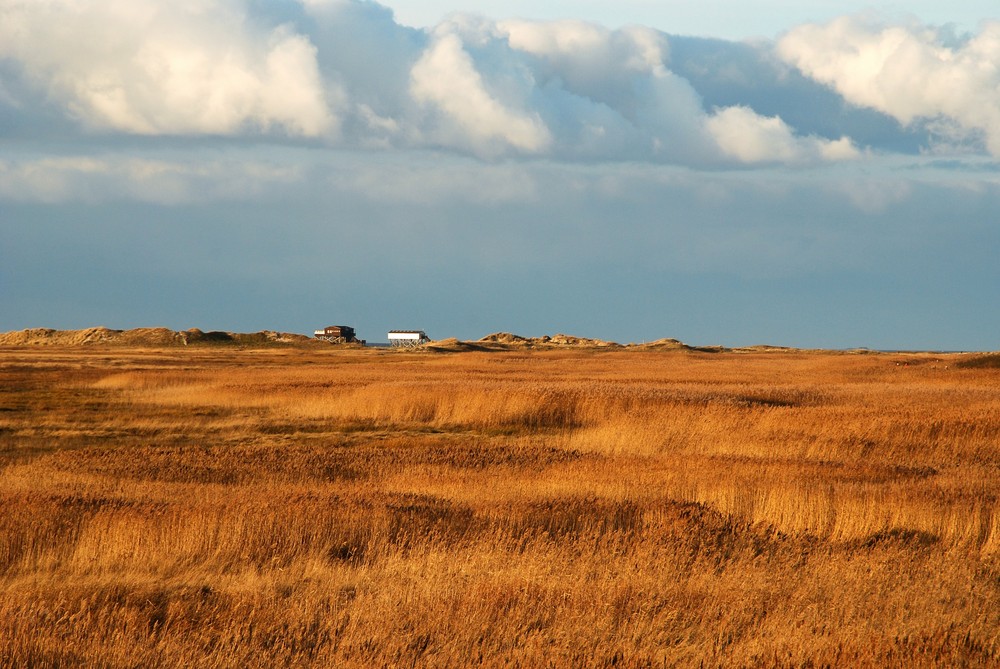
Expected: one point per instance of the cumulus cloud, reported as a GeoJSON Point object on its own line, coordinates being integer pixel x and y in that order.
{"type": "Point", "coordinates": [345, 73]}
{"type": "Point", "coordinates": [185, 67]}
{"type": "Point", "coordinates": [608, 93]}
{"type": "Point", "coordinates": [368, 56]}
{"type": "Point", "coordinates": [916, 74]}
{"type": "Point", "coordinates": [446, 78]}
{"type": "Point", "coordinates": [751, 138]}
{"type": "Point", "coordinates": [588, 59]}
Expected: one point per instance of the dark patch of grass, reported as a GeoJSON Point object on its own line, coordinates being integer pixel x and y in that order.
{"type": "Point", "coordinates": [987, 361]}
{"type": "Point", "coordinates": [901, 537]}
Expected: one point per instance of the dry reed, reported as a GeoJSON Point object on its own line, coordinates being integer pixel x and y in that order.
{"type": "Point", "coordinates": [266, 508]}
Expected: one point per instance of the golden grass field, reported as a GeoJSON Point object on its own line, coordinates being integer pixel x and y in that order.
{"type": "Point", "coordinates": [294, 507]}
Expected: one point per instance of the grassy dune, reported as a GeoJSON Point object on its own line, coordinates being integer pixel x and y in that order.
{"type": "Point", "coordinates": [356, 508]}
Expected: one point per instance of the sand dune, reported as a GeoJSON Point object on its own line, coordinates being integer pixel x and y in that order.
{"type": "Point", "coordinates": [144, 337]}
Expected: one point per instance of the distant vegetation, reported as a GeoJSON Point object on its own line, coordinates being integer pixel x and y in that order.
{"type": "Point", "coordinates": [326, 506]}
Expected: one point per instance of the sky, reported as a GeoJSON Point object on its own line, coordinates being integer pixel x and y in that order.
{"type": "Point", "coordinates": [810, 174]}
{"type": "Point", "coordinates": [725, 19]}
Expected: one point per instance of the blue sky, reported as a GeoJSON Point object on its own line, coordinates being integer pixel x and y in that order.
{"type": "Point", "coordinates": [727, 19]}
{"type": "Point", "coordinates": [805, 174]}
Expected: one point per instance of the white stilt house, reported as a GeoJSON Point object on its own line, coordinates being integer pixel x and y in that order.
{"type": "Point", "coordinates": [407, 338]}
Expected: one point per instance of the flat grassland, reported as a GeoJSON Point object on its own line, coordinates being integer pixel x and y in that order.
{"type": "Point", "coordinates": [354, 508]}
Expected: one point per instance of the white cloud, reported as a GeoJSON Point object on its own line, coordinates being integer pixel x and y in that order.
{"type": "Point", "coordinates": [446, 78]}
{"type": "Point", "coordinates": [556, 37]}
{"type": "Point", "coordinates": [595, 65]}
{"type": "Point", "coordinates": [49, 179]}
{"type": "Point", "coordinates": [184, 67]}
{"type": "Point", "coordinates": [129, 177]}
{"type": "Point", "coordinates": [910, 72]}
{"type": "Point", "coordinates": [344, 73]}
{"type": "Point", "coordinates": [750, 138]}
{"type": "Point", "coordinates": [608, 93]}
{"type": "Point", "coordinates": [584, 51]}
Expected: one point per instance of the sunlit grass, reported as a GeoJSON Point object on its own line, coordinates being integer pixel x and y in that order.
{"type": "Point", "coordinates": [352, 508]}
